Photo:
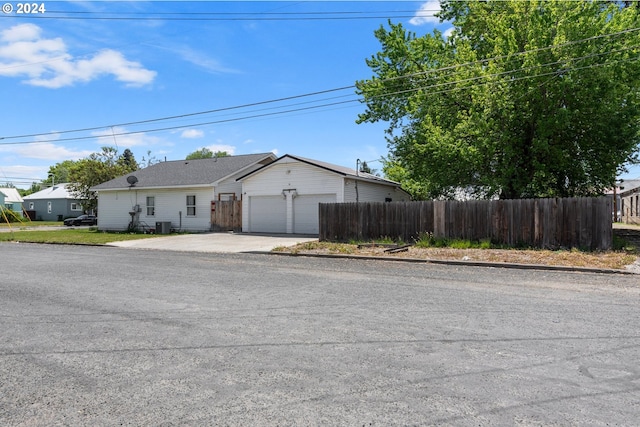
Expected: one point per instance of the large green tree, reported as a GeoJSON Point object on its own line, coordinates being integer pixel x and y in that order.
{"type": "Point", "coordinates": [96, 169]}
{"type": "Point", "coordinates": [205, 153]}
{"type": "Point", "coordinates": [59, 172]}
{"type": "Point", "coordinates": [523, 99]}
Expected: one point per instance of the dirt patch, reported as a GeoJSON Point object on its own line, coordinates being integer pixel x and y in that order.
{"type": "Point", "coordinates": [619, 260]}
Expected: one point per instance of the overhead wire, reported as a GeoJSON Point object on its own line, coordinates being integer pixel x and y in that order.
{"type": "Point", "coordinates": [296, 110]}
{"type": "Point", "coordinates": [229, 16]}
{"type": "Point", "coordinates": [331, 104]}
{"type": "Point", "coordinates": [180, 116]}
{"type": "Point", "coordinates": [174, 127]}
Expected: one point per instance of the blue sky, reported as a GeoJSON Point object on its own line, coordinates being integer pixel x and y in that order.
{"type": "Point", "coordinates": [115, 71]}
{"type": "Point", "coordinates": [164, 59]}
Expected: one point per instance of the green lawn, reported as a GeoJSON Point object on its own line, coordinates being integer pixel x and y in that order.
{"type": "Point", "coordinates": [19, 225]}
{"type": "Point", "coordinates": [69, 236]}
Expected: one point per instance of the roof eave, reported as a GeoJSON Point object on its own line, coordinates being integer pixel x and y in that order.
{"type": "Point", "coordinates": [294, 158]}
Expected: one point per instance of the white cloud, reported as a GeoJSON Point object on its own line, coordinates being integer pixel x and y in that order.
{"type": "Point", "coordinates": [49, 151]}
{"type": "Point", "coordinates": [448, 32]}
{"type": "Point", "coordinates": [192, 133]}
{"type": "Point", "coordinates": [20, 32]}
{"type": "Point", "coordinates": [230, 149]}
{"type": "Point", "coordinates": [275, 151]}
{"type": "Point", "coordinates": [23, 171]}
{"type": "Point", "coordinates": [113, 137]}
{"type": "Point", "coordinates": [425, 14]}
{"type": "Point", "coordinates": [197, 58]}
{"type": "Point", "coordinates": [204, 61]}
{"type": "Point", "coordinates": [46, 62]}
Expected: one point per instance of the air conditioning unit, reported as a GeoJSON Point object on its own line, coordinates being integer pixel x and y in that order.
{"type": "Point", "coordinates": [163, 227]}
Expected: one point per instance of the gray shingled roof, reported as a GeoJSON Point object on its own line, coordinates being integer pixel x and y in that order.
{"type": "Point", "coordinates": [58, 191]}
{"type": "Point", "coordinates": [629, 185]}
{"type": "Point", "coordinates": [342, 170]}
{"type": "Point", "coordinates": [184, 173]}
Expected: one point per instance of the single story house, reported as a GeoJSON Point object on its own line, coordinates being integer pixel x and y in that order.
{"type": "Point", "coordinates": [177, 194]}
{"type": "Point", "coordinates": [52, 204]}
{"type": "Point", "coordinates": [629, 199]}
{"type": "Point", "coordinates": [283, 196]}
{"type": "Point", "coordinates": [10, 199]}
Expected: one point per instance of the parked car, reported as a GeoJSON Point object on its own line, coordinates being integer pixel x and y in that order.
{"type": "Point", "coordinates": [82, 220]}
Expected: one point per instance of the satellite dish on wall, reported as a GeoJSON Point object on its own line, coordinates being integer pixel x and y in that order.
{"type": "Point", "coordinates": [132, 180]}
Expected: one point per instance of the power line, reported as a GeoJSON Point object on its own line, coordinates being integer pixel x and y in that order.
{"type": "Point", "coordinates": [519, 70]}
{"type": "Point", "coordinates": [181, 116]}
{"type": "Point", "coordinates": [514, 55]}
{"type": "Point", "coordinates": [177, 127]}
{"type": "Point", "coordinates": [229, 17]}
{"type": "Point", "coordinates": [249, 14]}
{"type": "Point", "coordinates": [332, 104]}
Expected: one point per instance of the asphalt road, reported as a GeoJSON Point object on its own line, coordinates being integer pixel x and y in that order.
{"type": "Point", "coordinates": [103, 336]}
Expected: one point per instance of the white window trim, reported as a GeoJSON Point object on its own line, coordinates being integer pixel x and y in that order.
{"type": "Point", "coordinates": [153, 213]}
{"type": "Point", "coordinates": [191, 206]}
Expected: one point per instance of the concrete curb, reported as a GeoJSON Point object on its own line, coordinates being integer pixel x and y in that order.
{"type": "Point", "coordinates": [559, 268]}
{"type": "Point", "coordinates": [543, 267]}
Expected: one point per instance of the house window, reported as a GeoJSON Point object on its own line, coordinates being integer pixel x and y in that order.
{"type": "Point", "coordinates": [31, 206]}
{"type": "Point", "coordinates": [76, 206]}
{"type": "Point", "coordinates": [48, 207]}
{"type": "Point", "coordinates": [151, 206]}
{"type": "Point", "coordinates": [191, 205]}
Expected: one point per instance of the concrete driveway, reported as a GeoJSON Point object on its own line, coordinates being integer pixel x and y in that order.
{"type": "Point", "coordinates": [217, 242]}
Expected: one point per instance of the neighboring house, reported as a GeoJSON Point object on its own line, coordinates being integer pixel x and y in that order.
{"type": "Point", "coordinates": [178, 192]}
{"type": "Point", "coordinates": [283, 196]}
{"type": "Point", "coordinates": [52, 204]}
{"type": "Point", "coordinates": [10, 199]}
{"type": "Point", "coordinates": [629, 199]}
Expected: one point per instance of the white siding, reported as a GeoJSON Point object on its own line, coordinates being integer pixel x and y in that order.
{"type": "Point", "coordinates": [312, 185]}
{"type": "Point", "coordinates": [113, 209]}
{"type": "Point", "coordinates": [229, 186]}
{"type": "Point", "coordinates": [372, 192]}
{"type": "Point", "coordinates": [170, 205]}
{"type": "Point", "coordinates": [289, 174]}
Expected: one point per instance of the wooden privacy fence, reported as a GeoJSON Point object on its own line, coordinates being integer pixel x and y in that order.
{"type": "Point", "coordinates": [543, 223]}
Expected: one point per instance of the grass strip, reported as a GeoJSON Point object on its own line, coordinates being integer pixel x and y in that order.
{"type": "Point", "coordinates": [70, 236]}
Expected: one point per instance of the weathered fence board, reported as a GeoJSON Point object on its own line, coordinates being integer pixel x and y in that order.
{"type": "Point", "coordinates": [226, 215]}
{"type": "Point", "coordinates": [548, 223]}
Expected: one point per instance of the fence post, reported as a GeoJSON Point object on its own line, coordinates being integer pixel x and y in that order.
{"type": "Point", "coordinates": [439, 217]}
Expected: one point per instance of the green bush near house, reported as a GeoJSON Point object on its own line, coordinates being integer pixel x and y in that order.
{"type": "Point", "coordinates": [9, 216]}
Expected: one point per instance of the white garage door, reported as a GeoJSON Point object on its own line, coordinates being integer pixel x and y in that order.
{"type": "Point", "coordinates": [267, 214]}
{"type": "Point", "coordinates": [305, 212]}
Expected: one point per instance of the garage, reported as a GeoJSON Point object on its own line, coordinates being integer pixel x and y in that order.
{"type": "Point", "coordinates": [267, 214]}
{"type": "Point", "coordinates": [305, 212]}
{"type": "Point", "coordinates": [283, 196]}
